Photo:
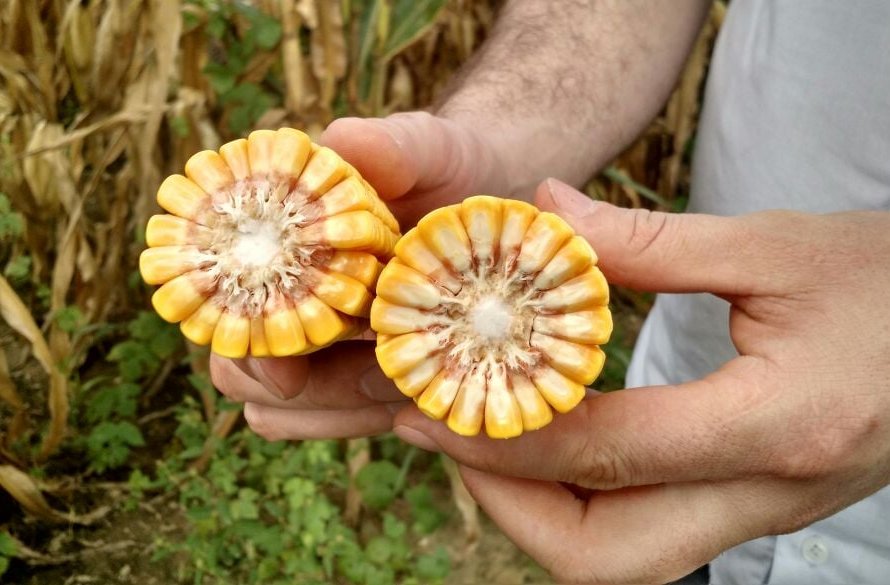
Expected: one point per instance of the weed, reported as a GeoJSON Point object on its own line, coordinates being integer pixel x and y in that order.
{"type": "Point", "coordinates": [8, 550]}
{"type": "Point", "coordinates": [270, 513]}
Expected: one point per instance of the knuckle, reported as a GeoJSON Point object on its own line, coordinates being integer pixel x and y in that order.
{"type": "Point", "coordinates": [833, 448]}
{"type": "Point", "coordinates": [606, 467]}
{"type": "Point", "coordinates": [647, 228]}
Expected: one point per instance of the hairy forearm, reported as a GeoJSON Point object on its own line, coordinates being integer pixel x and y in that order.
{"type": "Point", "coordinates": [561, 87]}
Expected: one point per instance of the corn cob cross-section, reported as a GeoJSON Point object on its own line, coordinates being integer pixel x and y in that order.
{"type": "Point", "coordinates": [271, 247]}
{"type": "Point", "coordinates": [491, 314]}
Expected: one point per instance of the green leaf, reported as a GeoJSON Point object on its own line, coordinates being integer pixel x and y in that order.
{"type": "Point", "coordinates": [19, 268]}
{"type": "Point", "coordinates": [118, 400]}
{"type": "Point", "coordinates": [427, 517]}
{"type": "Point", "coordinates": [433, 567]}
{"type": "Point", "coordinates": [69, 318]}
{"type": "Point", "coordinates": [222, 78]}
{"type": "Point", "coordinates": [377, 483]}
{"type": "Point", "coordinates": [109, 444]}
{"type": "Point", "coordinates": [267, 31]}
{"type": "Point", "coordinates": [134, 359]}
{"type": "Point", "coordinates": [367, 33]}
{"type": "Point", "coordinates": [11, 223]}
{"type": "Point", "coordinates": [8, 545]}
{"type": "Point", "coordinates": [245, 507]}
{"type": "Point", "coordinates": [409, 20]}
{"type": "Point", "coordinates": [379, 550]}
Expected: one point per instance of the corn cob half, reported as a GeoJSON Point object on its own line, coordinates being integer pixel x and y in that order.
{"type": "Point", "coordinates": [271, 247]}
{"type": "Point", "coordinates": [491, 314]}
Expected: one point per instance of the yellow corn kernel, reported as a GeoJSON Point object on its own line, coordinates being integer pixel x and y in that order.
{"type": "Point", "coordinates": [468, 411]}
{"type": "Point", "coordinates": [482, 217]}
{"type": "Point", "coordinates": [490, 316]}
{"type": "Point", "coordinates": [183, 197]}
{"type": "Point", "coordinates": [352, 230]}
{"type": "Point", "coordinates": [324, 170]}
{"type": "Point", "coordinates": [345, 294]}
{"type": "Point", "coordinates": [361, 266]}
{"type": "Point", "coordinates": [236, 156]}
{"type": "Point", "coordinates": [439, 395]}
{"type": "Point", "coordinates": [402, 285]}
{"type": "Point", "coordinates": [282, 328]}
{"type": "Point", "coordinates": [503, 416]}
{"type": "Point", "coordinates": [402, 353]}
{"type": "Point", "coordinates": [171, 230]}
{"type": "Point", "coordinates": [180, 297]}
{"type": "Point", "coordinates": [535, 411]}
{"type": "Point", "coordinates": [158, 265]}
{"type": "Point", "coordinates": [251, 263]}
{"type": "Point", "coordinates": [419, 377]}
{"type": "Point", "coordinates": [587, 290]}
{"type": "Point", "coordinates": [200, 325]}
{"type": "Point", "coordinates": [231, 337]}
{"type": "Point", "coordinates": [259, 347]}
{"type": "Point", "coordinates": [394, 319]}
{"type": "Point", "coordinates": [447, 238]}
{"type": "Point", "coordinates": [322, 324]}
{"type": "Point", "coordinates": [570, 261]}
{"type": "Point", "coordinates": [414, 253]}
{"type": "Point", "coordinates": [209, 171]}
{"type": "Point", "coordinates": [581, 363]}
{"type": "Point", "coordinates": [561, 392]}
{"type": "Point", "coordinates": [544, 237]}
{"type": "Point", "coordinates": [290, 151]}
{"type": "Point", "coordinates": [591, 327]}
{"type": "Point", "coordinates": [517, 216]}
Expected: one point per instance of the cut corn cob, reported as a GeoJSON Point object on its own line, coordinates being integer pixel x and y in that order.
{"type": "Point", "coordinates": [491, 315]}
{"type": "Point", "coordinates": [272, 246]}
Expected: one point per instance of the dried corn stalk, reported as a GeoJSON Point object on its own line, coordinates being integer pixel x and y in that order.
{"type": "Point", "coordinates": [492, 313]}
{"type": "Point", "coordinates": [272, 246]}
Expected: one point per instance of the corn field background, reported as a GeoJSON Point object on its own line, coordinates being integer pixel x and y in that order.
{"type": "Point", "coordinates": [119, 463]}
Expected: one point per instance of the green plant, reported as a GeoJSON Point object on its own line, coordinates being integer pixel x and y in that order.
{"type": "Point", "coordinates": [109, 403]}
{"type": "Point", "coordinates": [8, 550]}
{"type": "Point", "coordinates": [247, 100]}
{"type": "Point", "coordinates": [271, 513]}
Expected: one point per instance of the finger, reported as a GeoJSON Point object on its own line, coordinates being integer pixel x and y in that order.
{"type": "Point", "coordinates": [669, 252]}
{"type": "Point", "coordinates": [436, 161]}
{"type": "Point", "coordinates": [707, 429]}
{"type": "Point", "coordinates": [276, 424]}
{"type": "Point", "coordinates": [651, 534]}
{"type": "Point", "coordinates": [341, 377]}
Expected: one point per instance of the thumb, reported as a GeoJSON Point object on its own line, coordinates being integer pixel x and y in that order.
{"type": "Point", "coordinates": [663, 252]}
{"type": "Point", "coordinates": [415, 152]}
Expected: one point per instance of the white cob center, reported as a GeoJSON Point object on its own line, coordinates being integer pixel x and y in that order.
{"type": "Point", "coordinates": [256, 243]}
{"type": "Point", "coordinates": [491, 319]}
{"type": "Point", "coordinates": [256, 250]}
{"type": "Point", "coordinates": [491, 323]}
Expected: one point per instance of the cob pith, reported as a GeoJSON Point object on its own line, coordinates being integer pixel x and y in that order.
{"type": "Point", "coordinates": [491, 315]}
{"type": "Point", "coordinates": [272, 246]}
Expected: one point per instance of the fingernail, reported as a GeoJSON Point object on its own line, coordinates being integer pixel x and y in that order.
{"type": "Point", "coordinates": [416, 438]}
{"type": "Point", "coordinates": [375, 385]}
{"type": "Point", "coordinates": [255, 368]}
{"type": "Point", "coordinates": [569, 200]}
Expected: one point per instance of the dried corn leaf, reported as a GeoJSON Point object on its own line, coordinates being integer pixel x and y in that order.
{"type": "Point", "coordinates": [8, 393]}
{"type": "Point", "coordinates": [328, 50]}
{"type": "Point", "coordinates": [25, 491]}
{"type": "Point", "coordinates": [16, 314]}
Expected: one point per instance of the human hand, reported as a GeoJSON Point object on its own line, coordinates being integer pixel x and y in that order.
{"type": "Point", "coordinates": [416, 162]}
{"type": "Point", "coordinates": [794, 429]}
